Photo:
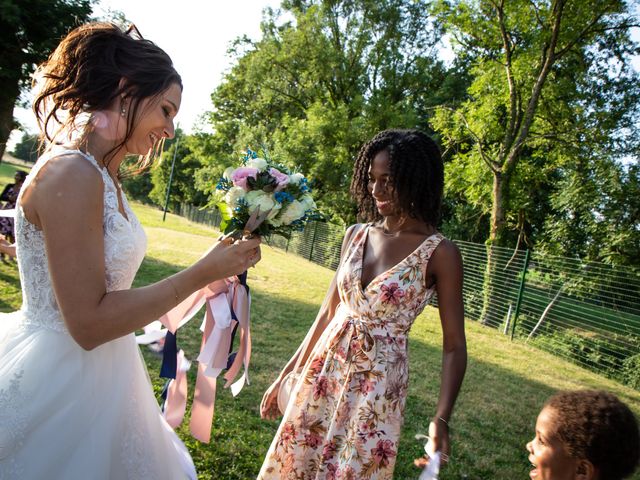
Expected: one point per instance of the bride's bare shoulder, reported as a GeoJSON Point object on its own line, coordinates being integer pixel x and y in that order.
{"type": "Point", "coordinates": [65, 182]}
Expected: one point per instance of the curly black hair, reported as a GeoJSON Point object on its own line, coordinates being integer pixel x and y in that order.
{"type": "Point", "coordinates": [417, 175]}
{"type": "Point", "coordinates": [597, 426]}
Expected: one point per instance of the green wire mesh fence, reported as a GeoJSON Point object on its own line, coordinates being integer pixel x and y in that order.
{"type": "Point", "coordinates": [588, 313]}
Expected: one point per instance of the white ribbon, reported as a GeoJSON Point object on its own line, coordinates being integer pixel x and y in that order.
{"type": "Point", "coordinates": [432, 470]}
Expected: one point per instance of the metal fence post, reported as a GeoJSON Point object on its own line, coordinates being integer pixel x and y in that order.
{"type": "Point", "coordinates": [520, 291]}
{"type": "Point", "coordinates": [173, 164]}
{"type": "Point", "coordinates": [313, 241]}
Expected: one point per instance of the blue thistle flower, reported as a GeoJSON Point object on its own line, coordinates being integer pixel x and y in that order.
{"type": "Point", "coordinates": [282, 197]}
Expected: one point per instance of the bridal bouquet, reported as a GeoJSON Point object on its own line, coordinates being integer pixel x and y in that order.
{"type": "Point", "coordinates": [260, 185]}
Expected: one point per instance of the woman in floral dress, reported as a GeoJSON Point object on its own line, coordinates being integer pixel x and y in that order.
{"type": "Point", "coordinates": [344, 419]}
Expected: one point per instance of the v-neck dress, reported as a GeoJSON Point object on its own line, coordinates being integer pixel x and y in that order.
{"type": "Point", "coordinates": [347, 410]}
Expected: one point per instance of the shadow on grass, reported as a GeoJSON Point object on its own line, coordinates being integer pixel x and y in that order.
{"type": "Point", "coordinates": [494, 418]}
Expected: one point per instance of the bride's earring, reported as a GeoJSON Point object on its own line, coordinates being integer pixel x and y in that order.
{"type": "Point", "coordinates": [123, 111]}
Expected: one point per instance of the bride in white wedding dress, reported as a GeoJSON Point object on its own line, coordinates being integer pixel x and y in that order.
{"type": "Point", "coordinates": [75, 398]}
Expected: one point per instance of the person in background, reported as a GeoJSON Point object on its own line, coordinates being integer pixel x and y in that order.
{"type": "Point", "coordinates": [9, 196]}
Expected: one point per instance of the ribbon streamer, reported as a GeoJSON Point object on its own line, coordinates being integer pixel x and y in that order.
{"type": "Point", "coordinates": [227, 305]}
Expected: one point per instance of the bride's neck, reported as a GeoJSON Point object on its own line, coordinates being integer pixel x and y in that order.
{"type": "Point", "coordinates": [102, 150]}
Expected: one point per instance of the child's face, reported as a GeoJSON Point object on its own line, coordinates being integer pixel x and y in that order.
{"type": "Point", "coordinates": [547, 452]}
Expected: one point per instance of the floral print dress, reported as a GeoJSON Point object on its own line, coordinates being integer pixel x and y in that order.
{"type": "Point", "coordinates": [345, 419]}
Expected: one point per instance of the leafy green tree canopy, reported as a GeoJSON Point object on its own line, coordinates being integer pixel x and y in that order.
{"type": "Point", "coordinates": [323, 79]}
{"type": "Point", "coordinates": [29, 31]}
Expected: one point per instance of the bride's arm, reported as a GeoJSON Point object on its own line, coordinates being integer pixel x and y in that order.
{"type": "Point", "coordinates": [66, 202]}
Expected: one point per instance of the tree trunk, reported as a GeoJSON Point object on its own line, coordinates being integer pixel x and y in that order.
{"type": "Point", "coordinates": [9, 91]}
{"type": "Point", "coordinates": [546, 310]}
{"type": "Point", "coordinates": [492, 311]}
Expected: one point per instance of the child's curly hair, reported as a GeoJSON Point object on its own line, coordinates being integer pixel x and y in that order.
{"type": "Point", "coordinates": [597, 426]}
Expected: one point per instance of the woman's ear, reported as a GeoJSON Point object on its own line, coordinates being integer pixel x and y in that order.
{"type": "Point", "coordinates": [585, 470]}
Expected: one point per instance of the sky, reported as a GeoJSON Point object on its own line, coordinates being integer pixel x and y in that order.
{"type": "Point", "coordinates": [195, 33]}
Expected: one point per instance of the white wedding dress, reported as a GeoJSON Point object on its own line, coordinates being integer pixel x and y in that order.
{"type": "Point", "coordinates": [67, 413]}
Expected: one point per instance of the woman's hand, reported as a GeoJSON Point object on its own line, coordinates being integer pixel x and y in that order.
{"type": "Point", "coordinates": [227, 258]}
{"type": "Point", "coordinates": [6, 247]}
{"type": "Point", "coordinates": [269, 407]}
{"type": "Point", "coordinates": [439, 433]}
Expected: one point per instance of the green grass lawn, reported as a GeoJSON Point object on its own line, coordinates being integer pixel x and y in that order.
{"type": "Point", "coordinates": [506, 382]}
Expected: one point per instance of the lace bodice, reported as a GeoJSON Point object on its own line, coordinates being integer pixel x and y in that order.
{"type": "Point", "coordinates": [124, 247]}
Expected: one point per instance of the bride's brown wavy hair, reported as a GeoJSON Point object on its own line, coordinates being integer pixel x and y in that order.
{"type": "Point", "coordinates": [94, 65]}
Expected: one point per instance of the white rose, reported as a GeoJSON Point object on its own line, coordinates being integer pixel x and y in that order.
{"type": "Point", "coordinates": [227, 173]}
{"type": "Point", "coordinates": [259, 163]}
{"type": "Point", "coordinates": [274, 211]}
{"type": "Point", "coordinates": [294, 211]}
{"type": "Point", "coordinates": [233, 195]}
{"type": "Point", "coordinates": [295, 178]}
{"type": "Point", "coordinates": [308, 203]}
{"type": "Point", "coordinates": [259, 199]}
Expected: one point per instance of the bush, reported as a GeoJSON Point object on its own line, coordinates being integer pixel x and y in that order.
{"type": "Point", "coordinates": [605, 354]}
{"type": "Point", "coordinates": [631, 372]}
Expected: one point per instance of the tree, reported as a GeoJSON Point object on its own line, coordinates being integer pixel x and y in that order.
{"type": "Point", "coordinates": [314, 88]}
{"type": "Point", "coordinates": [29, 31]}
{"type": "Point", "coordinates": [27, 148]}
{"type": "Point", "coordinates": [183, 189]}
{"type": "Point", "coordinates": [597, 215]}
{"type": "Point", "coordinates": [537, 64]}
{"type": "Point", "coordinates": [552, 80]}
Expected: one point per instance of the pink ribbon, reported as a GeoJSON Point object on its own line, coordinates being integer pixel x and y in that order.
{"type": "Point", "coordinates": [219, 298]}
{"type": "Point", "coordinates": [176, 403]}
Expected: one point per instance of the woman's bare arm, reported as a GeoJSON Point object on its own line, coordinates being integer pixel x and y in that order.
{"type": "Point", "coordinates": [66, 202]}
{"type": "Point", "coordinates": [446, 267]}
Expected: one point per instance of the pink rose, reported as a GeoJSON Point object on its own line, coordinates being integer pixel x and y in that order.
{"type": "Point", "coordinates": [331, 471]}
{"type": "Point", "coordinates": [312, 439]}
{"type": "Point", "coordinates": [316, 365]}
{"type": "Point", "coordinates": [329, 451]}
{"type": "Point", "coordinates": [288, 435]}
{"type": "Point", "coordinates": [240, 175]}
{"type": "Point", "coordinates": [367, 385]}
{"type": "Point", "coordinates": [281, 178]}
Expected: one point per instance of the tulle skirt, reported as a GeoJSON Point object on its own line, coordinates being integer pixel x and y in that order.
{"type": "Point", "coordinates": [67, 413]}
